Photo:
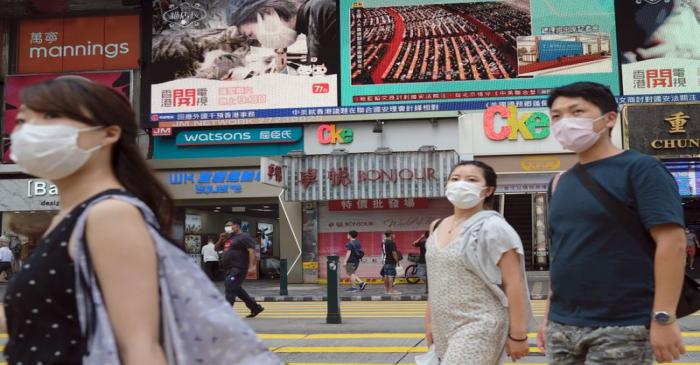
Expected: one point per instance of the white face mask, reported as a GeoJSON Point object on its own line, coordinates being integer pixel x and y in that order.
{"type": "Point", "coordinates": [274, 33]}
{"type": "Point", "coordinates": [228, 229]}
{"type": "Point", "coordinates": [463, 194]}
{"type": "Point", "coordinates": [576, 134]}
{"type": "Point", "coordinates": [49, 151]}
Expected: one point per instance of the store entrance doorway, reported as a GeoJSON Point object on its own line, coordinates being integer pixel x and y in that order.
{"type": "Point", "coordinates": [527, 213]}
{"type": "Point", "coordinates": [197, 225]}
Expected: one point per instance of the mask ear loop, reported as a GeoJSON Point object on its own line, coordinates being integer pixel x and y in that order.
{"type": "Point", "coordinates": [89, 129]}
{"type": "Point", "coordinates": [606, 127]}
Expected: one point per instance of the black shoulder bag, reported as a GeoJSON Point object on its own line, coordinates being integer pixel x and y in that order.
{"type": "Point", "coordinates": [689, 301]}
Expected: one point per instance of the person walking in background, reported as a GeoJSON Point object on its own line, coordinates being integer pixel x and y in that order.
{"type": "Point", "coordinates": [5, 257]}
{"type": "Point", "coordinates": [691, 247]}
{"type": "Point", "coordinates": [211, 259]}
{"type": "Point", "coordinates": [617, 243]}
{"type": "Point", "coordinates": [82, 136]}
{"type": "Point", "coordinates": [479, 304]}
{"type": "Point", "coordinates": [390, 260]}
{"type": "Point", "coordinates": [421, 268]}
{"type": "Point", "coordinates": [352, 261]}
{"type": "Point", "coordinates": [238, 260]}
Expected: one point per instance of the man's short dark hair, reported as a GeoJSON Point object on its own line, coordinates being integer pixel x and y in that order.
{"type": "Point", "coordinates": [388, 234]}
{"type": "Point", "coordinates": [246, 11]}
{"type": "Point", "coordinates": [236, 221]}
{"type": "Point", "coordinates": [353, 234]}
{"type": "Point", "coordinates": [592, 92]}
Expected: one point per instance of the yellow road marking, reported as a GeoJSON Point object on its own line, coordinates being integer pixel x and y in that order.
{"type": "Point", "coordinates": [349, 349]}
{"type": "Point", "coordinates": [336, 336]}
{"type": "Point", "coordinates": [397, 335]}
{"type": "Point", "coordinates": [358, 349]}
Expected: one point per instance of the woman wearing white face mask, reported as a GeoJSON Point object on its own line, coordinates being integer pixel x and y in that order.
{"type": "Point", "coordinates": [82, 136]}
{"type": "Point", "coordinates": [478, 309]}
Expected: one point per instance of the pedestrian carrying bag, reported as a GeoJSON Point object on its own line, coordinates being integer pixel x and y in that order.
{"type": "Point", "coordinates": [689, 301]}
{"type": "Point", "coordinates": [198, 326]}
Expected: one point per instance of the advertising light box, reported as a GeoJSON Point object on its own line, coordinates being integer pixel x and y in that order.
{"type": "Point", "coordinates": [460, 51]}
{"type": "Point", "coordinates": [238, 62]}
{"type": "Point", "coordinates": [659, 49]}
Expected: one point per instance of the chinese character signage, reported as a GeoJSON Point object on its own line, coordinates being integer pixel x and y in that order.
{"type": "Point", "coordinates": [364, 176]}
{"type": "Point", "coordinates": [271, 172]}
{"type": "Point", "coordinates": [239, 136]}
{"type": "Point", "coordinates": [78, 44]}
{"type": "Point", "coordinates": [214, 182]}
{"type": "Point", "coordinates": [233, 59]}
{"type": "Point", "coordinates": [671, 130]}
{"type": "Point", "coordinates": [659, 48]}
{"type": "Point", "coordinates": [378, 204]}
{"type": "Point", "coordinates": [120, 81]}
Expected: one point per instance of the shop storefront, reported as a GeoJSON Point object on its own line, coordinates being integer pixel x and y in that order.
{"type": "Point", "coordinates": [210, 187]}
{"type": "Point", "coordinates": [26, 209]}
{"type": "Point", "coordinates": [206, 198]}
{"type": "Point", "coordinates": [519, 145]}
{"type": "Point", "coordinates": [671, 133]}
{"type": "Point", "coordinates": [369, 193]}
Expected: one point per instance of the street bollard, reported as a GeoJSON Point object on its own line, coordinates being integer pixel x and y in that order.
{"type": "Point", "coordinates": [283, 277]}
{"type": "Point", "coordinates": [333, 291]}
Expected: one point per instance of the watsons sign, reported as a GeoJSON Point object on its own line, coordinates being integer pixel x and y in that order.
{"type": "Point", "coordinates": [78, 44]}
{"type": "Point", "coordinates": [239, 136]}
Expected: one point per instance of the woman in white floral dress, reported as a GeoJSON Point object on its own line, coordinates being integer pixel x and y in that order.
{"type": "Point", "coordinates": [478, 309]}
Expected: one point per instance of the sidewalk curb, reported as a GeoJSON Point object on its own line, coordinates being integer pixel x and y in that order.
{"type": "Point", "coordinates": [358, 298]}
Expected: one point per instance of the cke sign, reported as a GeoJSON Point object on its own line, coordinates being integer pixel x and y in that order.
{"type": "Point", "coordinates": [331, 134]}
{"type": "Point", "coordinates": [531, 126]}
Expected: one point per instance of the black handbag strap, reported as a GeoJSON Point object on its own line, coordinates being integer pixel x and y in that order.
{"type": "Point", "coordinates": [617, 209]}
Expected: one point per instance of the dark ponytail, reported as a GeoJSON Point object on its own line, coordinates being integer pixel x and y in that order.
{"type": "Point", "coordinates": [94, 104]}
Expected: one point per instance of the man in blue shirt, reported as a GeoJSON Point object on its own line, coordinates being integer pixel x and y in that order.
{"type": "Point", "coordinates": [612, 299]}
{"type": "Point", "coordinates": [352, 262]}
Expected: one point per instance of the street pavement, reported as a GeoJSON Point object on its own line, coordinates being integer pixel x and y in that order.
{"type": "Point", "coordinates": [377, 333]}
{"type": "Point", "coordinates": [373, 333]}
{"type": "Point", "coordinates": [269, 290]}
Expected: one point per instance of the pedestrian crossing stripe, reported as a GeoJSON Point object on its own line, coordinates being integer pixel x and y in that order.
{"type": "Point", "coordinates": [384, 349]}
{"type": "Point", "coordinates": [361, 336]}
{"type": "Point", "coordinates": [359, 363]}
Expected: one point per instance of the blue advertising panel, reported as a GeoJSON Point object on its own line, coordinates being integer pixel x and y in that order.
{"type": "Point", "coordinates": [551, 50]}
{"type": "Point", "coordinates": [241, 142]}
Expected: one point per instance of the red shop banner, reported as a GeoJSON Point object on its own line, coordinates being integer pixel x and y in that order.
{"type": "Point", "coordinates": [120, 81]}
{"type": "Point", "coordinates": [377, 204]}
